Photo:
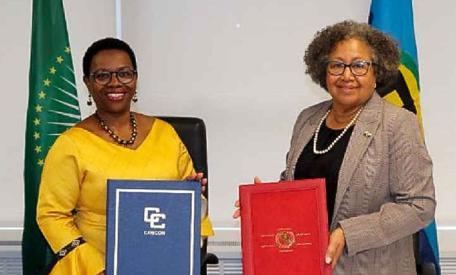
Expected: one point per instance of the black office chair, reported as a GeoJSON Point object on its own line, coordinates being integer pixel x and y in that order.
{"type": "Point", "coordinates": [192, 132]}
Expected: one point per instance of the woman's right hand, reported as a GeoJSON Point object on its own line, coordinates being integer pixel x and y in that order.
{"type": "Point", "coordinates": [237, 205]}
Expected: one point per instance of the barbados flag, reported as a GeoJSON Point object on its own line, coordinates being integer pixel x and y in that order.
{"type": "Point", "coordinates": [395, 17]}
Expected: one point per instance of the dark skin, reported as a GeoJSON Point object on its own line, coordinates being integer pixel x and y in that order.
{"type": "Point", "coordinates": [144, 123]}
{"type": "Point", "coordinates": [113, 100]}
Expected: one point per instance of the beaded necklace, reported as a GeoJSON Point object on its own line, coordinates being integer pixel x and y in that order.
{"type": "Point", "coordinates": [114, 136]}
{"type": "Point", "coordinates": [320, 152]}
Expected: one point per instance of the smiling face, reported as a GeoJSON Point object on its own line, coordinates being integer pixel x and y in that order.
{"type": "Point", "coordinates": [349, 91]}
{"type": "Point", "coordinates": [113, 97]}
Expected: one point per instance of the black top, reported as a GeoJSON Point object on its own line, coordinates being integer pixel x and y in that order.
{"type": "Point", "coordinates": [327, 165]}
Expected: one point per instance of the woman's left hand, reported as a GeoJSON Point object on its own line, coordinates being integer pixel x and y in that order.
{"type": "Point", "coordinates": [199, 177]}
{"type": "Point", "coordinates": [335, 247]}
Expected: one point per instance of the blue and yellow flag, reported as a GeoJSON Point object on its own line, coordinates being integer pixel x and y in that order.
{"type": "Point", "coordinates": [395, 17]}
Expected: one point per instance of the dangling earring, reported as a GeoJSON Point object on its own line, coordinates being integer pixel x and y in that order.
{"type": "Point", "coordinates": [89, 100]}
{"type": "Point", "coordinates": [135, 97]}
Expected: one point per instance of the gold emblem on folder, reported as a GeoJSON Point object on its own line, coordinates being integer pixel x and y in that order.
{"type": "Point", "coordinates": [285, 240]}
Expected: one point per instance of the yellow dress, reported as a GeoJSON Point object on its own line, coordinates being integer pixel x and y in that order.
{"type": "Point", "coordinates": [74, 178]}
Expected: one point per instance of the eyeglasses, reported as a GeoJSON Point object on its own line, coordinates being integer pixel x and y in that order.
{"type": "Point", "coordinates": [103, 77]}
{"type": "Point", "coordinates": [358, 68]}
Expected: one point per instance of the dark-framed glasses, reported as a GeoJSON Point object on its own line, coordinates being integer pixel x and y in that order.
{"type": "Point", "coordinates": [358, 68]}
{"type": "Point", "coordinates": [124, 76]}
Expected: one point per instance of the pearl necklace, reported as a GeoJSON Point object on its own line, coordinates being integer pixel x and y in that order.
{"type": "Point", "coordinates": [320, 152]}
{"type": "Point", "coordinates": [114, 136]}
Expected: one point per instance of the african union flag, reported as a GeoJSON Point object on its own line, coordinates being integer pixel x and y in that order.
{"type": "Point", "coordinates": [395, 17]}
{"type": "Point", "coordinates": [53, 106]}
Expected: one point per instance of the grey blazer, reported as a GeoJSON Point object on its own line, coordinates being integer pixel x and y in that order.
{"type": "Point", "coordinates": [385, 191]}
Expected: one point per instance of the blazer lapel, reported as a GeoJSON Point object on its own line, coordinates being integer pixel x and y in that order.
{"type": "Point", "coordinates": [363, 133]}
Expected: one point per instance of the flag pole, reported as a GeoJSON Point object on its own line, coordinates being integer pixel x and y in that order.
{"type": "Point", "coordinates": [119, 19]}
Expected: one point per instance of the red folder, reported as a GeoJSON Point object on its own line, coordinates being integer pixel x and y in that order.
{"type": "Point", "coordinates": [284, 228]}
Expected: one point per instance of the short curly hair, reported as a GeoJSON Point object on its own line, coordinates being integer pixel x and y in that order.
{"type": "Point", "coordinates": [385, 50]}
{"type": "Point", "coordinates": [108, 43]}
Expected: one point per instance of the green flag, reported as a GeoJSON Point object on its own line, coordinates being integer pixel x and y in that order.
{"type": "Point", "coordinates": [53, 106]}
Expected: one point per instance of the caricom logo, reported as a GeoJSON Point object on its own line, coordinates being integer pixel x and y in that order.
{"type": "Point", "coordinates": [154, 217]}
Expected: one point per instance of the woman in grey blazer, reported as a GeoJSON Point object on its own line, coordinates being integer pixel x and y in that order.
{"type": "Point", "coordinates": [378, 172]}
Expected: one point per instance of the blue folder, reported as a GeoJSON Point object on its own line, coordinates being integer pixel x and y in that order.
{"type": "Point", "coordinates": [153, 227]}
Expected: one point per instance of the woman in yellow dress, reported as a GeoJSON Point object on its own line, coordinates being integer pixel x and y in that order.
{"type": "Point", "coordinates": [115, 143]}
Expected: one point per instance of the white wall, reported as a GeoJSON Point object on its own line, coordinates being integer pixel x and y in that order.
{"type": "Point", "coordinates": [436, 41]}
{"type": "Point", "coordinates": [15, 32]}
{"type": "Point", "coordinates": [238, 65]}
{"type": "Point", "coordinates": [14, 58]}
